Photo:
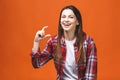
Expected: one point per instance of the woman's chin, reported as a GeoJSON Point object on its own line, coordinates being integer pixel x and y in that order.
{"type": "Point", "coordinates": [66, 29]}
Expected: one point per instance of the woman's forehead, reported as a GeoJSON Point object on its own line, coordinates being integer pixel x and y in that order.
{"type": "Point", "coordinates": [67, 12]}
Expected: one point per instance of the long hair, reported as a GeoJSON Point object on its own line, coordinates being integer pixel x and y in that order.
{"type": "Point", "coordinates": [78, 33]}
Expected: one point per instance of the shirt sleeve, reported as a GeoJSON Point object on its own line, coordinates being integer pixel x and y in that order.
{"type": "Point", "coordinates": [40, 58]}
{"type": "Point", "coordinates": [91, 69]}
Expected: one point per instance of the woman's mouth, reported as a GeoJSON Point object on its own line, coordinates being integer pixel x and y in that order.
{"type": "Point", "coordinates": [66, 24]}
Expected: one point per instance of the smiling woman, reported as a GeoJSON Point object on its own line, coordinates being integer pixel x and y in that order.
{"type": "Point", "coordinates": [20, 19]}
{"type": "Point", "coordinates": [68, 21]}
{"type": "Point", "coordinates": [73, 51]}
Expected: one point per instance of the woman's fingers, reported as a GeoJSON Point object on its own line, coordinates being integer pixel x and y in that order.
{"type": "Point", "coordinates": [44, 36]}
{"type": "Point", "coordinates": [47, 35]}
{"type": "Point", "coordinates": [43, 29]}
{"type": "Point", "coordinates": [41, 34]}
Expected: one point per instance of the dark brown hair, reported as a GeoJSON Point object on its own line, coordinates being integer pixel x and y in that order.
{"type": "Point", "coordinates": [78, 32]}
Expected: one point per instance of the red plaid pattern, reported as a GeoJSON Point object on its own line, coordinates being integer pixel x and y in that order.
{"type": "Point", "coordinates": [86, 70]}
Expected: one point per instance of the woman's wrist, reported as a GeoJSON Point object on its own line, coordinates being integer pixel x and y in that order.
{"type": "Point", "coordinates": [35, 47]}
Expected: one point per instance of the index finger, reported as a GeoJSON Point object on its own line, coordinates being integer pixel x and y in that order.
{"type": "Point", "coordinates": [44, 28]}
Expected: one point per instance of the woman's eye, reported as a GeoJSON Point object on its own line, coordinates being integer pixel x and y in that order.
{"type": "Point", "coordinates": [71, 17]}
{"type": "Point", "coordinates": [62, 16]}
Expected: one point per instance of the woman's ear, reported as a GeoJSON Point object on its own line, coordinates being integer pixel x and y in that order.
{"type": "Point", "coordinates": [77, 23]}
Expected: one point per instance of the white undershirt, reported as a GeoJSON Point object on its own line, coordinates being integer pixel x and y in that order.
{"type": "Point", "coordinates": [70, 71]}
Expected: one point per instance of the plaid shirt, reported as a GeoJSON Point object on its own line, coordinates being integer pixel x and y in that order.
{"type": "Point", "coordinates": [86, 71]}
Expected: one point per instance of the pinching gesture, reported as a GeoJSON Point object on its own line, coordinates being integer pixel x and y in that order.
{"type": "Point", "coordinates": [41, 34]}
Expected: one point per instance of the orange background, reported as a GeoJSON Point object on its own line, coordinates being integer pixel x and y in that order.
{"type": "Point", "coordinates": [20, 19]}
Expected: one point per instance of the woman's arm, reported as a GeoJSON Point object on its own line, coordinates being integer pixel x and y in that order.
{"type": "Point", "coordinates": [91, 69]}
{"type": "Point", "coordinates": [38, 57]}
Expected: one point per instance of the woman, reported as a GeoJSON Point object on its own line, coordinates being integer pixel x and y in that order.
{"type": "Point", "coordinates": [73, 51]}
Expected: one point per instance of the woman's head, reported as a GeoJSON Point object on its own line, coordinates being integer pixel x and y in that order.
{"type": "Point", "coordinates": [68, 20]}
{"type": "Point", "coordinates": [69, 15]}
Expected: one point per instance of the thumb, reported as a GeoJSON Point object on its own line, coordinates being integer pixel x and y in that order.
{"type": "Point", "coordinates": [47, 35]}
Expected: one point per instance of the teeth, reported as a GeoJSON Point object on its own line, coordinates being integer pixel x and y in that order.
{"type": "Point", "coordinates": [66, 24]}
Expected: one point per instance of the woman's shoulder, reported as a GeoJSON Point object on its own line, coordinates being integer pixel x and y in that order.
{"type": "Point", "coordinates": [88, 39]}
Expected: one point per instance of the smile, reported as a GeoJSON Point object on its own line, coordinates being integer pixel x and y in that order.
{"type": "Point", "coordinates": [66, 24]}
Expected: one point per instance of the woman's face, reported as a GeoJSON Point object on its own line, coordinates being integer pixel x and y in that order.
{"type": "Point", "coordinates": [68, 20]}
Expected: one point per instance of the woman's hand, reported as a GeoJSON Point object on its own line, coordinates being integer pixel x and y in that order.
{"type": "Point", "coordinates": [41, 34]}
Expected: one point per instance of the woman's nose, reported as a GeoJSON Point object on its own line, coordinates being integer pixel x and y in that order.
{"type": "Point", "coordinates": [66, 19]}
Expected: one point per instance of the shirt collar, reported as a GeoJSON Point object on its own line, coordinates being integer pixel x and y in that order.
{"type": "Point", "coordinates": [62, 41]}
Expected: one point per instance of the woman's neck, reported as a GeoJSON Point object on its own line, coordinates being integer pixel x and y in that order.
{"type": "Point", "coordinates": [69, 35]}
